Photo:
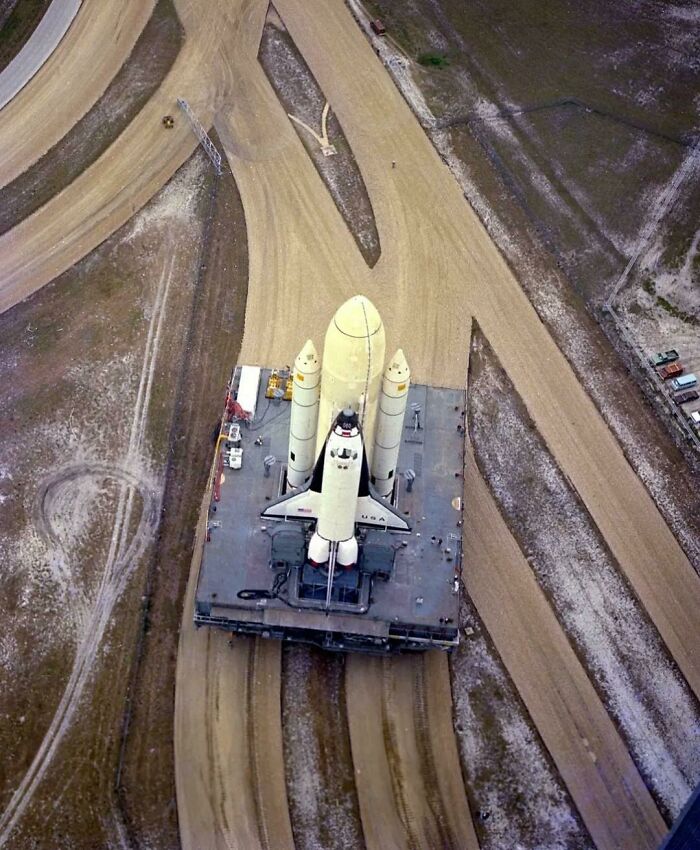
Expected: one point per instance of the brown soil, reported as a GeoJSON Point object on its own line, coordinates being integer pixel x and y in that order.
{"type": "Point", "coordinates": [323, 804]}
{"type": "Point", "coordinates": [214, 331]}
{"type": "Point", "coordinates": [633, 672]}
{"type": "Point", "coordinates": [301, 96]}
{"type": "Point", "coordinates": [70, 367]}
{"type": "Point", "coordinates": [140, 76]}
{"type": "Point", "coordinates": [18, 20]}
{"type": "Point", "coordinates": [502, 754]}
{"type": "Point", "coordinates": [547, 256]}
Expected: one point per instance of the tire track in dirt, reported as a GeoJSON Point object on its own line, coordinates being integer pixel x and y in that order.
{"type": "Point", "coordinates": [323, 804]}
{"type": "Point", "coordinates": [125, 549]}
{"type": "Point", "coordinates": [407, 771]}
{"type": "Point", "coordinates": [231, 793]}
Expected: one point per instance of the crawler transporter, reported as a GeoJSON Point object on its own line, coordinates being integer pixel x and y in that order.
{"type": "Point", "coordinates": [335, 514]}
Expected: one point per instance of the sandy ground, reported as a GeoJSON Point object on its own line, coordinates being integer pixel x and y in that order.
{"type": "Point", "coordinates": [324, 809]}
{"type": "Point", "coordinates": [76, 74]}
{"type": "Point", "coordinates": [437, 269]}
{"type": "Point", "coordinates": [502, 755]}
{"type": "Point", "coordinates": [138, 78]}
{"type": "Point", "coordinates": [640, 686]}
{"type": "Point", "coordinates": [80, 521]}
{"type": "Point", "coordinates": [39, 46]}
{"type": "Point", "coordinates": [299, 93]}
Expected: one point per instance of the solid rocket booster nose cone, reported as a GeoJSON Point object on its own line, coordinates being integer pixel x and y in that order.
{"type": "Point", "coordinates": [307, 359]}
{"type": "Point", "coordinates": [357, 317]}
{"type": "Point", "coordinates": [397, 369]}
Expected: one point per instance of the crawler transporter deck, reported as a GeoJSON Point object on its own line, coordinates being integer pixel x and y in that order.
{"type": "Point", "coordinates": [257, 576]}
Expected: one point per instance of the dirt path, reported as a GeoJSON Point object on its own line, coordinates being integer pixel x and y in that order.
{"type": "Point", "coordinates": [407, 771]}
{"type": "Point", "coordinates": [228, 739]}
{"type": "Point", "coordinates": [443, 267]}
{"type": "Point", "coordinates": [38, 48]}
{"type": "Point", "coordinates": [74, 76]}
{"type": "Point", "coordinates": [438, 264]}
{"type": "Point", "coordinates": [451, 247]}
{"type": "Point", "coordinates": [587, 749]}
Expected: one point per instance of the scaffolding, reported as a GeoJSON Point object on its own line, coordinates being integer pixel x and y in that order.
{"type": "Point", "coordinates": [202, 135]}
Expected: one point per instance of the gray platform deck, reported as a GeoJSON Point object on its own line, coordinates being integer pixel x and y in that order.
{"type": "Point", "coordinates": [415, 609]}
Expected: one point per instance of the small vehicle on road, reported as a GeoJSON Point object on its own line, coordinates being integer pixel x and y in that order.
{"type": "Point", "coordinates": [664, 357]}
{"type": "Point", "coordinates": [673, 370]}
{"type": "Point", "coordinates": [688, 395]}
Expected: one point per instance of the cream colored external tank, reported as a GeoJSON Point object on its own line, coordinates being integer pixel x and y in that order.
{"type": "Point", "coordinates": [353, 362]}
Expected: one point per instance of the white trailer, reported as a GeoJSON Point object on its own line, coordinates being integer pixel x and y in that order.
{"type": "Point", "coordinates": [248, 386]}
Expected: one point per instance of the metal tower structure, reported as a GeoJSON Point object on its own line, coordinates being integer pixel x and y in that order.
{"type": "Point", "coordinates": [202, 135]}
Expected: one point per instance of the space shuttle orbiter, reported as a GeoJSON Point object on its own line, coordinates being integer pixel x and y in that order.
{"type": "Point", "coordinates": [345, 431]}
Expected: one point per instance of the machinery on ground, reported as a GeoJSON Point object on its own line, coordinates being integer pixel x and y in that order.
{"type": "Point", "coordinates": [343, 525]}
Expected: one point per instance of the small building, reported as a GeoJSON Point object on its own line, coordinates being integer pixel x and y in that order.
{"type": "Point", "coordinates": [378, 27]}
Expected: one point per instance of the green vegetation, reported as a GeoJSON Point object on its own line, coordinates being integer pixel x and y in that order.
{"type": "Point", "coordinates": [674, 311]}
{"type": "Point", "coordinates": [649, 286]}
{"type": "Point", "coordinates": [434, 60]}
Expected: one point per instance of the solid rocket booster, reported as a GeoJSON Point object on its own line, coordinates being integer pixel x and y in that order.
{"type": "Point", "coordinates": [304, 416]}
{"type": "Point", "coordinates": [390, 417]}
{"type": "Point", "coordinates": [342, 467]}
{"type": "Point", "coordinates": [353, 361]}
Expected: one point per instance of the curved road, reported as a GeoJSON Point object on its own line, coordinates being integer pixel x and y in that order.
{"type": "Point", "coordinates": [40, 45]}
{"type": "Point", "coordinates": [437, 264]}
{"type": "Point", "coordinates": [69, 82]}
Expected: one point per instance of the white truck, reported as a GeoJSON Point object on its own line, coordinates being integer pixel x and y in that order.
{"type": "Point", "coordinates": [234, 459]}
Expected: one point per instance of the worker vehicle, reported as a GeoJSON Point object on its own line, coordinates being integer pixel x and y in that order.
{"type": "Point", "coordinates": [671, 371]}
{"type": "Point", "coordinates": [684, 397]}
{"type": "Point", "coordinates": [661, 358]}
{"type": "Point", "coordinates": [685, 382]}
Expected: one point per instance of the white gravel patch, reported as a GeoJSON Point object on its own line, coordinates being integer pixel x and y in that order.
{"type": "Point", "coordinates": [642, 687]}
{"type": "Point", "coordinates": [324, 817]}
{"type": "Point", "coordinates": [177, 202]}
{"type": "Point", "coordinates": [508, 771]}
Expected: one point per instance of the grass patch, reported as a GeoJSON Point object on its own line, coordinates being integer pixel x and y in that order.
{"type": "Point", "coordinates": [433, 60]}
{"type": "Point", "coordinates": [649, 286]}
{"type": "Point", "coordinates": [675, 311]}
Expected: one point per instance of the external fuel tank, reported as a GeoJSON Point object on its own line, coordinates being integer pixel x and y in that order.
{"type": "Point", "coordinates": [352, 367]}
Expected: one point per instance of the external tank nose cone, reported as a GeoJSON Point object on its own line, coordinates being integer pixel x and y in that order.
{"type": "Point", "coordinates": [358, 317]}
